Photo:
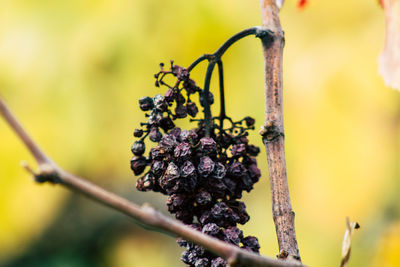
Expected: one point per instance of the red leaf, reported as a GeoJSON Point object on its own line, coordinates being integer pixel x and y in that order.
{"type": "Point", "coordinates": [302, 3]}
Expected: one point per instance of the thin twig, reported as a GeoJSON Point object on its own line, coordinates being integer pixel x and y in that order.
{"type": "Point", "coordinates": [273, 132]}
{"type": "Point", "coordinates": [144, 215]}
{"type": "Point", "coordinates": [222, 114]}
{"type": "Point", "coordinates": [206, 99]}
{"type": "Point", "coordinates": [216, 58]}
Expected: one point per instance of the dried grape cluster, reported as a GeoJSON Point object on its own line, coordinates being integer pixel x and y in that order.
{"type": "Point", "coordinates": [203, 174]}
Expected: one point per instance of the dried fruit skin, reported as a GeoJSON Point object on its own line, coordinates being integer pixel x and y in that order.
{"type": "Point", "coordinates": [138, 148]}
{"type": "Point", "coordinates": [146, 103]}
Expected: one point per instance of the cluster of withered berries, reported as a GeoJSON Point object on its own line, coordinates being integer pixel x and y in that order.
{"type": "Point", "coordinates": [203, 174]}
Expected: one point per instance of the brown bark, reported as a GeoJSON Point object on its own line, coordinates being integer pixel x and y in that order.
{"type": "Point", "coordinates": [273, 132]}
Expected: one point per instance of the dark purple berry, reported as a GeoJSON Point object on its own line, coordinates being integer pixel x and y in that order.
{"type": "Point", "coordinates": [181, 111]}
{"type": "Point", "coordinates": [189, 136]}
{"type": "Point", "coordinates": [158, 168]}
{"type": "Point", "coordinates": [176, 133]}
{"type": "Point", "coordinates": [187, 257]}
{"type": "Point", "coordinates": [249, 121]}
{"type": "Point", "coordinates": [138, 164]}
{"type": "Point", "coordinates": [166, 123]}
{"type": "Point", "coordinates": [168, 142]}
{"type": "Point", "coordinates": [157, 153]}
{"type": "Point", "coordinates": [206, 166]}
{"type": "Point", "coordinates": [138, 133]}
{"type": "Point", "coordinates": [240, 209]}
{"type": "Point", "coordinates": [192, 109]}
{"type": "Point", "coordinates": [233, 235]}
{"type": "Point", "coordinates": [236, 169]}
{"type": "Point", "coordinates": [202, 262]}
{"type": "Point", "coordinates": [175, 202]}
{"type": "Point", "coordinates": [189, 176]}
{"type": "Point", "coordinates": [182, 151]}
{"type": "Point", "coordinates": [247, 182]}
{"type": "Point", "coordinates": [190, 86]}
{"type": "Point", "coordinates": [219, 171]}
{"type": "Point", "coordinates": [155, 117]}
{"type": "Point", "coordinates": [146, 103]}
{"type": "Point", "coordinates": [155, 134]}
{"type": "Point", "coordinates": [203, 198]}
{"type": "Point", "coordinates": [238, 150]}
{"type": "Point", "coordinates": [160, 103]}
{"type": "Point", "coordinates": [206, 217]}
{"type": "Point", "coordinates": [170, 178]}
{"type": "Point", "coordinates": [252, 243]}
{"type": "Point", "coordinates": [254, 172]}
{"type": "Point", "coordinates": [218, 262]}
{"type": "Point", "coordinates": [253, 150]}
{"type": "Point", "coordinates": [185, 216]}
{"type": "Point", "coordinates": [180, 72]}
{"type": "Point", "coordinates": [211, 229]}
{"type": "Point", "coordinates": [199, 250]}
{"type": "Point", "coordinates": [146, 183]}
{"type": "Point", "coordinates": [138, 148]}
{"type": "Point", "coordinates": [208, 145]}
{"type": "Point", "coordinates": [182, 242]}
{"type": "Point", "coordinates": [223, 215]}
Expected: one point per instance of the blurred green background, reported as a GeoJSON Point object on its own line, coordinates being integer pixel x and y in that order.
{"type": "Point", "coordinates": [72, 71]}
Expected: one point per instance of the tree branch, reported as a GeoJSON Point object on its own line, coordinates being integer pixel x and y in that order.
{"type": "Point", "coordinates": [144, 215]}
{"type": "Point", "coordinates": [273, 132]}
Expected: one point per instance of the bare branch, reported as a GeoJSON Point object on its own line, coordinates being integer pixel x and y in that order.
{"type": "Point", "coordinates": [144, 215]}
{"type": "Point", "coordinates": [273, 132]}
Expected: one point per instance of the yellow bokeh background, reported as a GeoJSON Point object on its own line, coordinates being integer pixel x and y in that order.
{"type": "Point", "coordinates": [72, 71]}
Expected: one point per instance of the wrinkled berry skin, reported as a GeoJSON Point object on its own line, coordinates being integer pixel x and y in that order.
{"type": "Point", "coordinates": [138, 148]}
{"type": "Point", "coordinates": [138, 164]}
{"type": "Point", "coordinates": [192, 109]}
{"type": "Point", "coordinates": [206, 166]}
{"type": "Point", "coordinates": [138, 133]}
{"type": "Point", "coordinates": [155, 134]}
{"type": "Point", "coordinates": [146, 103]}
{"type": "Point", "coordinates": [249, 121]}
{"type": "Point", "coordinates": [203, 176]}
{"type": "Point", "coordinates": [208, 145]}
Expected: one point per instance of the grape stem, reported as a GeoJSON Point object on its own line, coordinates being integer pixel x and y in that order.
{"type": "Point", "coordinates": [213, 59]}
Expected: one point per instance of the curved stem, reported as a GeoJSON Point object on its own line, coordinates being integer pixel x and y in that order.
{"type": "Point", "coordinates": [250, 31]}
{"type": "Point", "coordinates": [207, 109]}
{"type": "Point", "coordinates": [222, 113]}
{"type": "Point", "coordinates": [197, 61]}
{"type": "Point", "coordinates": [216, 59]}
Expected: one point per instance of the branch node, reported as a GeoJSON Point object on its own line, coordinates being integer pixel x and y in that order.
{"type": "Point", "coordinates": [270, 131]}
{"type": "Point", "coordinates": [262, 33]}
{"type": "Point", "coordinates": [283, 254]}
{"type": "Point", "coordinates": [47, 173]}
